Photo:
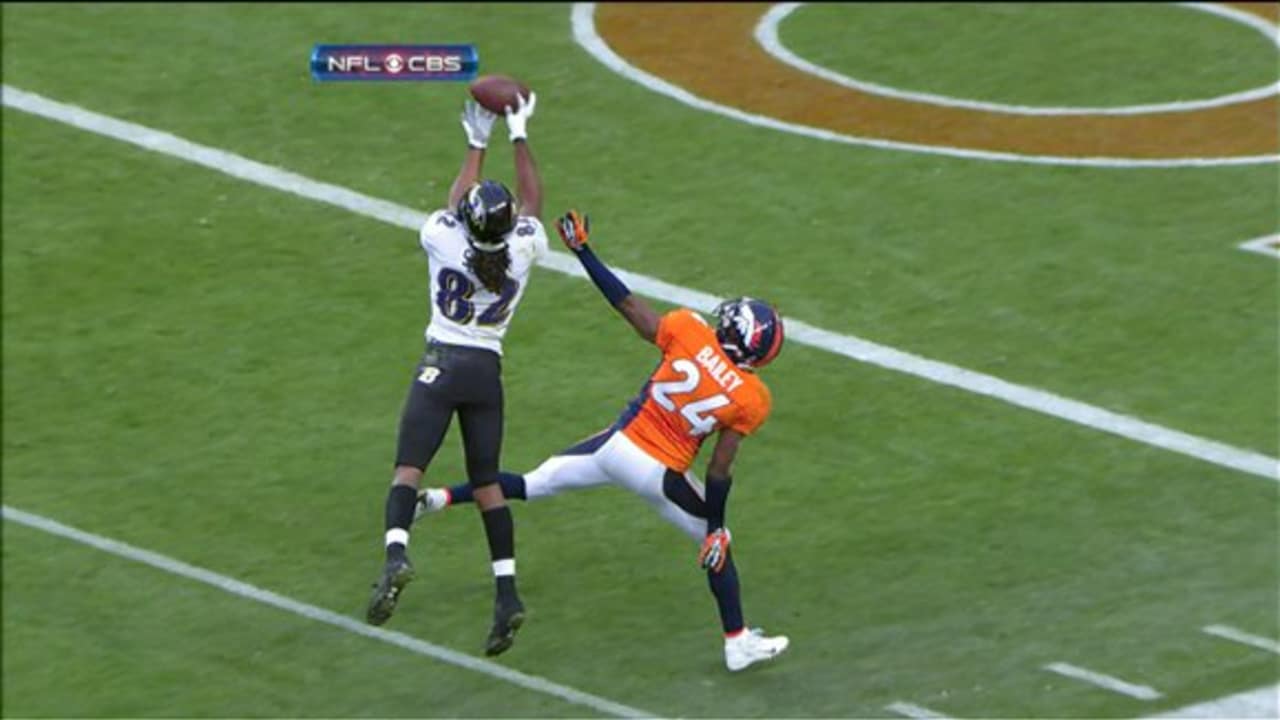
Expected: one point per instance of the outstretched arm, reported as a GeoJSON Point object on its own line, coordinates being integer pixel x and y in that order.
{"type": "Point", "coordinates": [573, 229]}
{"type": "Point", "coordinates": [472, 164]}
{"type": "Point", "coordinates": [528, 185]}
{"type": "Point", "coordinates": [476, 123]}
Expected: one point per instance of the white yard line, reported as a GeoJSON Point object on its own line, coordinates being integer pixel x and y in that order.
{"type": "Point", "coordinates": [584, 33]}
{"type": "Point", "coordinates": [918, 712]}
{"type": "Point", "coordinates": [1227, 632]}
{"type": "Point", "coordinates": [1106, 682]}
{"type": "Point", "coordinates": [311, 612]}
{"type": "Point", "coordinates": [1268, 245]}
{"type": "Point", "coordinates": [798, 331]}
{"type": "Point", "coordinates": [1263, 702]}
{"type": "Point", "coordinates": [766, 34]}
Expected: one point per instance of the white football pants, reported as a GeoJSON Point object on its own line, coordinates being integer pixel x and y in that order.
{"type": "Point", "coordinates": [617, 462]}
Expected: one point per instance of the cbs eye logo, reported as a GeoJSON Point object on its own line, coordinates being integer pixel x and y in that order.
{"type": "Point", "coordinates": [394, 62]}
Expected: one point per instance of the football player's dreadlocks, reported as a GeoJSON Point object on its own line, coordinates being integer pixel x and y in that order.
{"type": "Point", "coordinates": [489, 211]}
{"type": "Point", "coordinates": [490, 267]}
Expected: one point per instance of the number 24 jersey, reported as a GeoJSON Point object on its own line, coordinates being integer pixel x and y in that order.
{"type": "Point", "coordinates": [695, 391]}
{"type": "Point", "coordinates": [463, 311]}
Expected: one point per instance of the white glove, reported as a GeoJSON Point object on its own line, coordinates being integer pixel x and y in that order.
{"type": "Point", "coordinates": [477, 122]}
{"type": "Point", "coordinates": [516, 119]}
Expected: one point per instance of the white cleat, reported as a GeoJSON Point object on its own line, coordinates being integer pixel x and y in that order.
{"type": "Point", "coordinates": [431, 500]}
{"type": "Point", "coordinates": [750, 647]}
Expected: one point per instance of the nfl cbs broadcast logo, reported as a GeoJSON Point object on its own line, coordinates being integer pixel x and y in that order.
{"type": "Point", "coordinates": [381, 63]}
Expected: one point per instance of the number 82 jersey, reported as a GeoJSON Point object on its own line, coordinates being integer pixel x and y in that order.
{"type": "Point", "coordinates": [695, 390]}
{"type": "Point", "coordinates": [463, 311]}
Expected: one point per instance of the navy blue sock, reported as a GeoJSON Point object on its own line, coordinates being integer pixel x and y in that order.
{"type": "Point", "coordinates": [511, 483]}
{"type": "Point", "coordinates": [512, 486]}
{"type": "Point", "coordinates": [724, 585]}
{"type": "Point", "coordinates": [461, 494]}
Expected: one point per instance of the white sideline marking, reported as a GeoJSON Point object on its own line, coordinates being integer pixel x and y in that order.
{"type": "Point", "coordinates": [311, 612]}
{"type": "Point", "coordinates": [1106, 682]}
{"type": "Point", "coordinates": [1263, 702]}
{"type": "Point", "coordinates": [1262, 25]}
{"type": "Point", "coordinates": [1268, 245]}
{"type": "Point", "coordinates": [766, 33]}
{"type": "Point", "coordinates": [1229, 633]}
{"type": "Point", "coordinates": [584, 32]}
{"type": "Point", "coordinates": [906, 709]}
{"type": "Point", "coordinates": [847, 345]}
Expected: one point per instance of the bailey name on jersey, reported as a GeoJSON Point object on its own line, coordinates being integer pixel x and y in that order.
{"type": "Point", "coordinates": [718, 369]}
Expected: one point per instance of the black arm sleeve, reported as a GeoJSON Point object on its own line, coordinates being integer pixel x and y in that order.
{"type": "Point", "coordinates": [717, 496]}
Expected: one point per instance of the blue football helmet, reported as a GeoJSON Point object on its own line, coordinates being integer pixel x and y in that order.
{"type": "Point", "coordinates": [749, 331]}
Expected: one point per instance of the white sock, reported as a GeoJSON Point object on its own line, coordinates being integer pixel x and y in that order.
{"type": "Point", "coordinates": [398, 535]}
{"type": "Point", "coordinates": [504, 567]}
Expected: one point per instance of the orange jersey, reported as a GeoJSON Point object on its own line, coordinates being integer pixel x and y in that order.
{"type": "Point", "coordinates": [695, 391]}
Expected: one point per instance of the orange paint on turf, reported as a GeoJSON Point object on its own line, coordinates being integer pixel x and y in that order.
{"type": "Point", "coordinates": [709, 50]}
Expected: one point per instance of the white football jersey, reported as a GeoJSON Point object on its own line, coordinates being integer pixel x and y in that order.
{"type": "Point", "coordinates": [463, 311]}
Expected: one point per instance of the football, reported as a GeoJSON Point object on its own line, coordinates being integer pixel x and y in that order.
{"type": "Point", "coordinates": [496, 92]}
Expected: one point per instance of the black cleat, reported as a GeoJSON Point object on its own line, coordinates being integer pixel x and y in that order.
{"type": "Point", "coordinates": [395, 575]}
{"type": "Point", "coordinates": [508, 616]}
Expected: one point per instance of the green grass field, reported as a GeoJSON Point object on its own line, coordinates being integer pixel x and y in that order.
{"type": "Point", "coordinates": [1078, 54]}
{"type": "Point", "coordinates": [213, 370]}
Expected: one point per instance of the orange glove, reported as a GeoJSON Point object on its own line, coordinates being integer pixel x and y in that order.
{"type": "Point", "coordinates": [573, 229]}
{"type": "Point", "coordinates": [715, 550]}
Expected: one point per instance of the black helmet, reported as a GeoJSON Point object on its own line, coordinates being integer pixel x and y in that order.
{"type": "Point", "coordinates": [488, 209]}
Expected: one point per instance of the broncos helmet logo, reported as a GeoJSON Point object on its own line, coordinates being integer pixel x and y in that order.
{"type": "Point", "coordinates": [750, 331]}
{"type": "Point", "coordinates": [746, 326]}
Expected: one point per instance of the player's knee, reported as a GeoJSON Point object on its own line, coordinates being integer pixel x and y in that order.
{"type": "Point", "coordinates": [407, 475]}
{"type": "Point", "coordinates": [482, 479]}
{"type": "Point", "coordinates": [488, 497]}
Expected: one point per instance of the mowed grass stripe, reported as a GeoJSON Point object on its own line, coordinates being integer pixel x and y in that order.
{"type": "Point", "coordinates": [847, 345]}
{"type": "Point", "coordinates": [328, 617]}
